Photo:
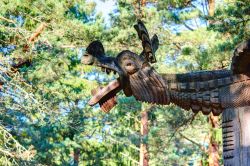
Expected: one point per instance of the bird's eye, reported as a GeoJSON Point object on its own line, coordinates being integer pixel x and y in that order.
{"type": "Point", "coordinates": [129, 64]}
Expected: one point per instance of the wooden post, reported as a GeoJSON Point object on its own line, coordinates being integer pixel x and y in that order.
{"type": "Point", "coordinates": [236, 136]}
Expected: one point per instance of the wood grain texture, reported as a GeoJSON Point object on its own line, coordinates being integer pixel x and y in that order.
{"type": "Point", "coordinates": [236, 137]}
{"type": "Point", "coordinates": [211, 95]}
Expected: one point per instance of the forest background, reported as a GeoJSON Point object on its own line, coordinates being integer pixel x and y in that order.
{"type": "Point", "coordinates": [44, 116]}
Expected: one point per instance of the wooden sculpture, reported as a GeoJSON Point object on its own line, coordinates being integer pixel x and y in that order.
{"type": "Point", "coordinates": [219, 91]}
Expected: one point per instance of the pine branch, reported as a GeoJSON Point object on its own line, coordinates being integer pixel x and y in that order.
{"type": "Point", "coordinates": [8, 20]}
{"type": "Point", "coordinates": [130, 158]}
{"type": "Point", "coordinates": [38, 31]}
{"type": "Point", "coordinates": [185, 123]}
{"type": "Point", "coordinates": [27, 61]}
{"type": "Point", "coordinates": [34, 36]}
{"type": "Point", "coordinates": [192, 141]}
{"type": "Point", "coordinates": [15, 149]}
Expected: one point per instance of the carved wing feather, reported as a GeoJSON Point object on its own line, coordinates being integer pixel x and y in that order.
{"type": "Point", "coordinates": [148, 86]}
{"type": "Point", "coordinates": [241, 59]}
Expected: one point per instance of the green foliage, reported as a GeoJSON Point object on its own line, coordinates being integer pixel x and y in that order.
{"type": "Point", "coordinates": [233, 18]}
{"type": "Point", "coordinates": [44, 113]}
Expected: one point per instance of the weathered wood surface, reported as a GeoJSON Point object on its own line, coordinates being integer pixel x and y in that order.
{"type": "Point", "coordinates": [236, 136]}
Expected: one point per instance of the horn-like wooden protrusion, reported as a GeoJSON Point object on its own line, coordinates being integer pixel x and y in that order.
{"type": "Point", "coordinates": [149, 46]}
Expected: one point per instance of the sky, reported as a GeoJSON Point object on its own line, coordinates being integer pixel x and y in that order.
{"type": "Point", "coordinates": [105, 7]}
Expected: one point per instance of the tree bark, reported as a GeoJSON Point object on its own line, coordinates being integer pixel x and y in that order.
{"type": "Point", "coordinates": [34, 36]}
{"type": "Point", "coordinates": [236, 136]}
{"type": "Point", "coordinates": [211, 7]}
{"type": "Point", "coordinates": [144, 157]}
{"type": "Point", "coordinates": [213, 151]}
{"type": "Point", "coordinates": [76, 156]}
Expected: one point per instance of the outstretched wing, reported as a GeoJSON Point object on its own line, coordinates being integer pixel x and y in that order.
{"type": "Point", "coordinates": [148, 86]}
{"type": "Point", "coordinates": [241, 59]}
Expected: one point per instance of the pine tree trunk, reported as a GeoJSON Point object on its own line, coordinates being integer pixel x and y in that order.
{"type": "Point", "coordinates": [144, 157]}
{"type": "Point", "coordinates": [213, 151]}
{"type": "Point", "coordinates": [236, 136]}
{"type": "Point", "coordinates": [211, 7]}
{"type": "Point", "coordinates": [76, 156]}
